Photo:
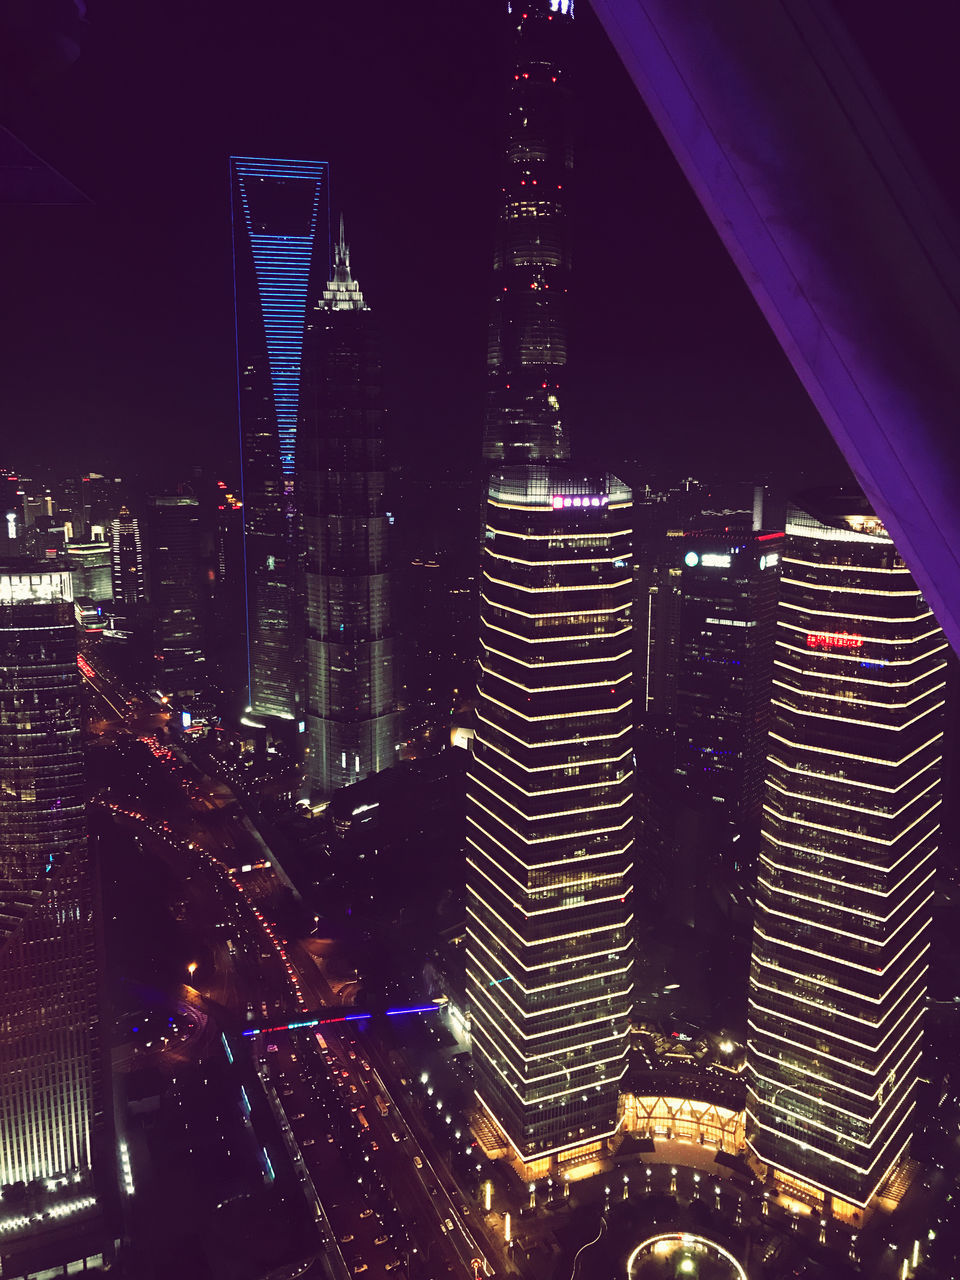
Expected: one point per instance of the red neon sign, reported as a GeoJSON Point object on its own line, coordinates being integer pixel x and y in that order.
{"type": "Point", "coordinates": [833, 640]}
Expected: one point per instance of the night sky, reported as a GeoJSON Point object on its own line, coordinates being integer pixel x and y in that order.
{"type": "Point", "coordinates": [118, 339]}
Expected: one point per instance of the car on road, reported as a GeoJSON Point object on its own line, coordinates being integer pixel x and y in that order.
{"type": "Point", "coordinates": [346, 1239]}
{"type": "Point", "coordinates": [308, 1142]}
{"type": "Point", "coordinates": [358, 1266]}
{"type": "Point", "coordinates": [448, 1225]}
{"type": "Point", "coordinates": [417, 1162]}
{"type": "Point", "coordinates": [299, 1117]}
{"type": "Point", "coordinates": [391, 1266]}
{"type": "Point", "coordinates": [381, 1239]}
{"type": "Point", "coordinates": [366, 1213]}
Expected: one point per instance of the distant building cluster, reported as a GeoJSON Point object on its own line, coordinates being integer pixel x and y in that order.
{"type": "Point", "coordinates": [675, 700]}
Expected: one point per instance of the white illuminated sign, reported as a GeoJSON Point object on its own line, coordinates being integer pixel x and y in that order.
{"type": "Point", "coordinates": [11, 524]}
{"type": "Point", "coordinates": [772, 558]}
{"type": "Point", "coordinates": [709, 560]}
{"type": "Point", "coordinates": [560, 500]}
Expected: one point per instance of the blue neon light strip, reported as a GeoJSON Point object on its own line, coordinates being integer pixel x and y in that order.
{"type": "Point", "coordinates": [282, 266]}
{"type": "Point", "coordinates": [301, 1023]}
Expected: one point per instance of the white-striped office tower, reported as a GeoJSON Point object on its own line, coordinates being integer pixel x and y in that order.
{"type": "Point", "coordinates": [850, 832]}
{"type": "Point", "coordinates": [550, 800]}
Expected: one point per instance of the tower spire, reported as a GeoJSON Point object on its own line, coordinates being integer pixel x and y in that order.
{"type": "Point", "coordinates": [342, 253]}
{"type": "Point", "coordinates": [342, 292]}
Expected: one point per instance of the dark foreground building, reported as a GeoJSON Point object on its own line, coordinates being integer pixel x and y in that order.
{"type": "Point", "coordinates": [351, 677]}
{"type": "Point", "coordinates": [54, 1129]}
{"type": "Point", "coordinates": [850, 833]}
{"type": "Point", "coordinates": [550, 811]}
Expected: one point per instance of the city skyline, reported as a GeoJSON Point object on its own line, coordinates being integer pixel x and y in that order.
{"type": "Point", "coordinates": [467, 803]}
{"type": "Point", "coordinates": [682, 310]}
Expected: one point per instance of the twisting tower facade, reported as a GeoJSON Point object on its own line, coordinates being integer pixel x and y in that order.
{"type": "Point", "coordinates": [550, 810]}
{"type": "Point", "coordinates": [527, 348]}
{"type": "Point", "coordinates": [850, 832]}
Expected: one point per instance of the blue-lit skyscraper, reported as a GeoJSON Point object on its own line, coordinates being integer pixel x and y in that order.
{"type": "Point", "coordinates": [281, 238]}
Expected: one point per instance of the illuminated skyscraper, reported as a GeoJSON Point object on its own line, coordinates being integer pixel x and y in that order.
{"type": "Point", "coordinates": [52, 1106]}
{"type": "Point", "coordinates": [351, 694]}
{"type": "Point", "coordinates": [550, 809]}
{"type": "Point", "coordinates": [129, 575]}
{"type": "Point", "coordinates": [93, 570]}
{"type": "Point", "coordinates": [280, 240]}
{"type": "Point", "coordinates": [850, 831]}
{"type": "Point", "coordinates": [527, 348]}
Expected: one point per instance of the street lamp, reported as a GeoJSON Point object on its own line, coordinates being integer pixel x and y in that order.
{"type": "Point", "coordinates": [626, 1186]}
{"type": "Point", "coordinates": [192, 969]}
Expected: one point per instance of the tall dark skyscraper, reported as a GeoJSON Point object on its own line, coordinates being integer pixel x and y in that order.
{"type": "Point", "coordinates": [725, 637]}
{"type": "Point", "coordinates": [527, 348]}
{"type": "Point", "coordinates": [53, 1117]}
{"type": "Point", "coordinates": [351, 686]}
{"type": "Point", "coordinates": [550, 810]}
{"type": "Point", "coordinates": [176, 556]}
{"type": "Point", "coordinates": [850, 833]}
{"type": "Point", "coordinates": [281, 238]}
